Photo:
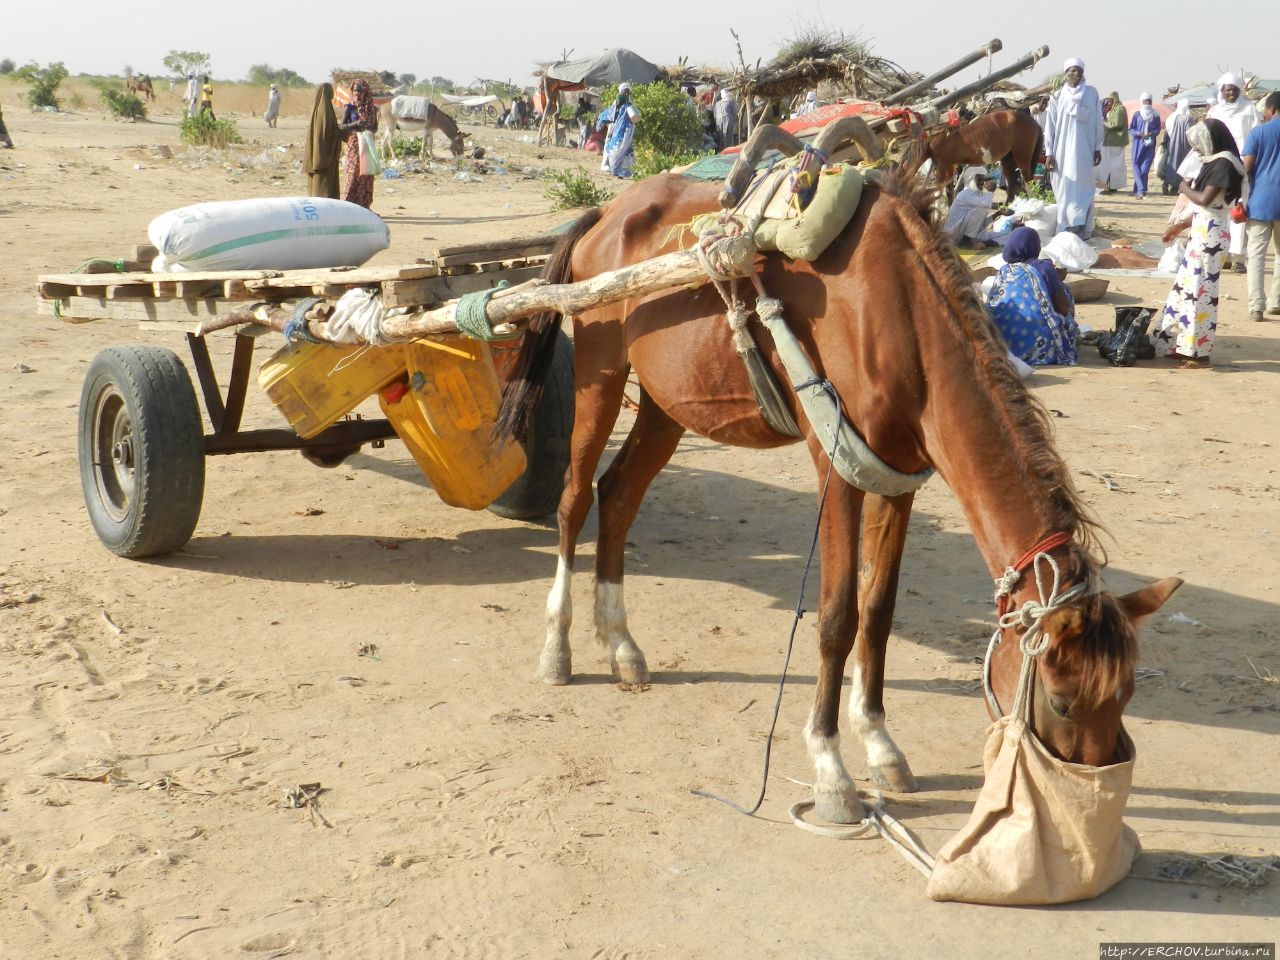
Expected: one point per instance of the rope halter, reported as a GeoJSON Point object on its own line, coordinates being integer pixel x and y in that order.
{"type": "Point", "coordinates": [1031, 615]}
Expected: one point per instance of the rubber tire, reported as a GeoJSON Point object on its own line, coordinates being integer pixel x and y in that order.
{"type": "Point", "coordinates": [536, 492]}
{"type": "Point", "coordinates": [151, 506]}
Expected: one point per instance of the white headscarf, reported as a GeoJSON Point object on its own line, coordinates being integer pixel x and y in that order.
{"type": "Point", "coordinates": [969, 179]}
{"type": "Point", "coordinates": [1201, 142]}
{"type": "Point", "coordinates": [1241, 116]}
{"type": "Point", "coordinates": [1184, 106]}
{"type": "Point", "coordinates": [1070, 96]}
{"type": "Point", "coordinates": [1147, 110]}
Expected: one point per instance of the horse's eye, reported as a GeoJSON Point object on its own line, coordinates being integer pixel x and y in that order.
{"type": "Point", "coordinates": [1061, 706]}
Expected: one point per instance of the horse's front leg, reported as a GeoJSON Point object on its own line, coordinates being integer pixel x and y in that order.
{"type": "Point", "coordinates": [597, 398]}
{"type": "Point", "coordinates": [835, 796]}
{"type": "Point", "coordinates": [884, 533]}
{"type": "Point", "coordinates": [648, 448]}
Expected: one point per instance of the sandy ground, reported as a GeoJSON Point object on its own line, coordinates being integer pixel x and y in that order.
{"type": "Point", "coordinates": [473, 812]}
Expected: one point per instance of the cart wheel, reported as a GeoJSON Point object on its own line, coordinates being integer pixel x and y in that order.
{"type": "Point", "coordinates": [536, 492]}
{"type": "Point", "coordinates": [141, 451]}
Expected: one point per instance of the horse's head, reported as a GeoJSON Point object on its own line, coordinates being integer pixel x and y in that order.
{"type": "Point", "coordinates": [458, 142]}
{"type": "Point", "coordinates": [1085, 676]}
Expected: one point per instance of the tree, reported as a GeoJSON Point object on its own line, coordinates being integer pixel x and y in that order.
{"type": "Point", "coordinates": [7, 66]}
{"type": "Point", "coordinates": [407, 80]}
{"type": "Point", "coordinates": [44, 83]}
{"type": "Point", "coordinates": [262, 74]}
{"type": "Point", "coordinates": [443, 84]}
{"type": "Point", "coordinates": [181, 62]}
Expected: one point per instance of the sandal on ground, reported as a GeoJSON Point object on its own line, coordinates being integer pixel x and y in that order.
{"type": "Point", "coordinates": [1193, 363]}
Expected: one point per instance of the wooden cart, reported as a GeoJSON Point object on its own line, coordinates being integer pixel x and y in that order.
{"type": "Point", "coordinates": [142, 442]}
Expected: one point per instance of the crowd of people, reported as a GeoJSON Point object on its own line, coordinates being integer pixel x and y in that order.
{"type": "Point", "coordinates": [1224, 170]}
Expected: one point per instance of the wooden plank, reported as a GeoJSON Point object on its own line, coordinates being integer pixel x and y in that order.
{"type": "Point", "coordinates": [232, 290]}
{"type": "Point", "coordinates": [509, 248]}
{"type": "Point", "coordinates": [142, 311]}
{"type": "Point", "coordinates": [55, 291]}
{"type": "Point", "coordinates": [199, 289]}
{"type": "Point", "coordinates": [125, 291]}
{"type": "Point", "coordinates": [414, 293]}
{"type": "Point", "coordinates": [350, 278]}
{"type": "Point", "coordinates": [86, 280]}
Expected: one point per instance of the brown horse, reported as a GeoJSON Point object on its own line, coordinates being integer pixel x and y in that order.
{"type": "Point", "coordinates": [1010, 136]}
{"type": "Point", "coordinates": [140, 86]}
{"type": "Point", "coordinates": [887, 314]}
{"type": "Point", "coordinates": [393, 114]}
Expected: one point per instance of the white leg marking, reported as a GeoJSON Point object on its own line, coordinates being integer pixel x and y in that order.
{"type": "Point", "coordinates": [555, 666]}
{"type": "Point", "coordinates": [625, 658]}
{"type": "Point", "coordinates": [886, 763]}
{"type": "Point", "coordinates": [834, 795]}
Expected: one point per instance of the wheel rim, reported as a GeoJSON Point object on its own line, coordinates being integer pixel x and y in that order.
{"type": "Point", "coordinates": [114, 454]}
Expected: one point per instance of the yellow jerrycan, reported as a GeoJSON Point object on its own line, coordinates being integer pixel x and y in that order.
{"type": "Point", "coordinates": [445, 417]}
{"type": "Point", "coordinates": [314, 384]}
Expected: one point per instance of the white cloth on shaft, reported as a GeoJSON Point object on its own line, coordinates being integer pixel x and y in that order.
{"type": "Point", "coordinates": [1072, 135]}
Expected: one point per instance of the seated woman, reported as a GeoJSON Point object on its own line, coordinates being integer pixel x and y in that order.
{"type": "Point", "coordinates": [971, 214]}
{"type": "Point", "coordinates": [1030, 306]}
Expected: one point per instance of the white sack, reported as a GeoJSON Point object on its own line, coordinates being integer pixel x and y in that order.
{"type": "Point", "coordinates": [1171, 259]}
{"type": "Point", "coordinates": [267, 233]}
{"type": "Point", "coordinates": [1070, 252]}
{"type": "Point", "coordinates": [410, 108]}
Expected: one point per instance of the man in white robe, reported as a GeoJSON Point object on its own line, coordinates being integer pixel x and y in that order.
{"type": "Point", "coordinates": [970, 214]}
{"type": "Point", "coordinates": [1073, 148]}
{"type": "Point", "coordinates": [193, 95]}
{"type": "Point", "coordinates": [1240, 115]}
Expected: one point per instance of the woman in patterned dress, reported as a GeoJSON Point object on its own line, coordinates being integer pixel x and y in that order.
{"type": "Point", "coordinates": [1189, 321]}
{"type": "Point", "coordinates": [1030, 306]}
{"type": "Point", "coordinates": [360, 114]}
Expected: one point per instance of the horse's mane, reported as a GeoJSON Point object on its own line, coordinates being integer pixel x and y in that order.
{"type": "Point", "coordinates": [1108, 650]}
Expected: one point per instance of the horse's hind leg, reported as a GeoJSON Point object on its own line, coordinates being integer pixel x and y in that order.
{"type": "Point", "coordinates": [600, 377]}
{"type": "Point", "coordinates": [1012, 177]}
{"type": "Point", "coordinates": [884, 533]}
{"type": "Point", "coordinates": [835, 796]}
{"type": "Point", "coordinates": [648, 448]}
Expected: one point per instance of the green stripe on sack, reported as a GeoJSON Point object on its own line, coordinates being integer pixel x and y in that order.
{"type": "Point", "coordinates": [293, 233]}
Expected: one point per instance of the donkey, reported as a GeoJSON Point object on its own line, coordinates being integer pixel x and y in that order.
{"type": "Point", "coordinates": [418, 115]}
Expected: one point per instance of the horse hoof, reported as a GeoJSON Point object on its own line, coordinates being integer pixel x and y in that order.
{"type": "Point", "coordinates": [838, 808]}
{"type": "Point", "coordinates": [631, 672]}
{"type": "Point", "coordinates": [895, 778]}
{"type": "Point", "coordinates": [555, 671]}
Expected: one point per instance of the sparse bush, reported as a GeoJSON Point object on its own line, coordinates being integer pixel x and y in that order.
{"type": "Point", "coordinates": [567, 189]}
{"type": "Point", "coordinates": [204, 130]}
{"type": "Point", "coordinates": [120, 102]}
{"type": "Point", "coordinates": [44, 83]}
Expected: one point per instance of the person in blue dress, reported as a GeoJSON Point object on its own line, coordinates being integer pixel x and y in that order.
{"type": "Point", "coordinates": [1029, 305]}
{"type": "Point", "coordinates": [619, 147]}
{"type": "Point", "coordinates": [1144, 128]}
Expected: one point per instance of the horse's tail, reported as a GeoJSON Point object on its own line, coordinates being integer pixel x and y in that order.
{"type": "Point", "coordinates": [524, 388]}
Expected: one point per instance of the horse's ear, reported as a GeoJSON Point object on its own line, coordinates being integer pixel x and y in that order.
{"type": "Point", "coordinates": [1144, 602]}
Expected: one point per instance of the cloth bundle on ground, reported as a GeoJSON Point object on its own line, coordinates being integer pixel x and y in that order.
{"type": "Point", "coordinates": [266, 233]}
{"type": "Point", "coordinates": [1070, 252]}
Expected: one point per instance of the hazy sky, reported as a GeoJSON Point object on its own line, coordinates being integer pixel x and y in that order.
{"type": "Point", "coordinates": [1127, 46]}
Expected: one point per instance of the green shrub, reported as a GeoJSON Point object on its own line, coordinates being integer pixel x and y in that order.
{"type": "Point", "coordinates": [406, 146]}
{"type": "Point", "coordinates": [668, 123]}
{"type": "Point", "coordinates": [44, 83]}
{"type": "Point", "coordinates": [120, 102]}
{"type": "Point", "coordinates": [649, 161]}
{"type": "Point", "coordinates": [204, 130]}
{"type": "Point", "coordinates": [567, 189]}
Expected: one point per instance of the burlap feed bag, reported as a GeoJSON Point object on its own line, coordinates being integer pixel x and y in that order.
{"type": "Point", "coordinates": [1043, 830]}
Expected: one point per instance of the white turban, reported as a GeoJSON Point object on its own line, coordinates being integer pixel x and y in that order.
{"type": "Point", "coordinates": [1145, 97]}
{"type": "Point", "coordinates": [1073, 62]}
{"type": "Point", "coordinates": [624, 88]}
{"type": "Point", "coordinates": [1230, 80]}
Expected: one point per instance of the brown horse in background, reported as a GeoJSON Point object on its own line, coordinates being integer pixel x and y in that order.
{"type": "Point", "coordinates": [1010, 136]}
{"type": "Point", "coordinates": [888, 315]}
